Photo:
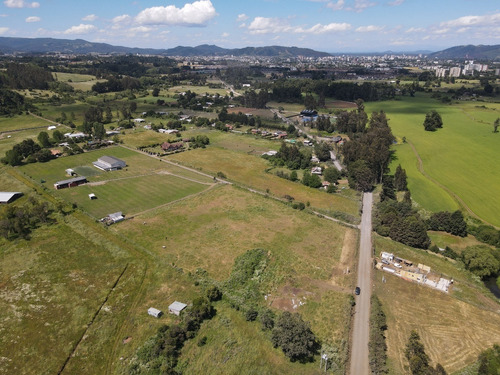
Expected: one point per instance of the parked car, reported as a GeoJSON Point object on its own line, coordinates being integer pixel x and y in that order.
{"type": "Point", "coordinates": [357, 291]}
{"type": "Point", "coordinates": [397, 265]}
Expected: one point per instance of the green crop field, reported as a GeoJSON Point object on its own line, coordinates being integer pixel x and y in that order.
{"type": "Point", "coordinates": [457, 159]}
{"type": "Point", "coordinates": [8, 140]}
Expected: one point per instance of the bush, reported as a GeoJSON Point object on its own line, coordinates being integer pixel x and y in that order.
{"type": "Point", "coordinates": [251, 314]}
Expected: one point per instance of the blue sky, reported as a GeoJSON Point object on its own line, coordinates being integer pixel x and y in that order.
{"type": "Point", "coordinates": [325, 25]}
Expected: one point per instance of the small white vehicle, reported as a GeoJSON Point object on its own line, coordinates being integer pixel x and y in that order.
{"type": "Point", "coordinates": [397, 265]}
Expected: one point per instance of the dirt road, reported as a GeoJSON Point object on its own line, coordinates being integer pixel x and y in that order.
{"type": "Point", "coordinates": [360, 334]}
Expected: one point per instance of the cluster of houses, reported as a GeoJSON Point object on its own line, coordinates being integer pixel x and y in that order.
{"type": "Point", "coordinates": [174, 308]}
{"type": "Point", "coordinates": [406, 270]}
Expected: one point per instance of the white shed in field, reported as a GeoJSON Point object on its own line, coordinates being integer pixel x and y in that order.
{"type": "Point", "coordinates": [176, 307]}
{"type": "Point", "coordinates": [155, 312]}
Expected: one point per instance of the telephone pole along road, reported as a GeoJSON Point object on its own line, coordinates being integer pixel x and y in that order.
{"type": "Point", "coordinates": [360, 334]}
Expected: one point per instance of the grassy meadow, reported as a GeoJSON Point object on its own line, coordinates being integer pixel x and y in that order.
{"type": "Point", "coordinates": [250, 170]}
{"type": "Point", "coordinates": [454, 327]}
{"type": "Point", "coordinates": [307, 258]}
{"type": "Point", "coordinates": [457, 159]}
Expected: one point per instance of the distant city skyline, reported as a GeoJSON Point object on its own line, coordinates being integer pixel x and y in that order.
{"type": "Point", "coordinates": [333, 26]}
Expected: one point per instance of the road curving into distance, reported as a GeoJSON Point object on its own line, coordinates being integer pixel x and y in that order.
{"type": "Point", "coordinates": [361, 326]}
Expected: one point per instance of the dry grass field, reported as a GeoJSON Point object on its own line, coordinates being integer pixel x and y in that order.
{"type": "Point", "coordinates": [454, 327]}
{"type": "Point", "coordinates": [307, 257]}
{"type": "Point", "coordinates": [249, 170]}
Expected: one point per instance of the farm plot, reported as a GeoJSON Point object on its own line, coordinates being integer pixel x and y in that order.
{"type": "Point", "coordinates": [249, 170]}
{"type": "Point", "coordinates": [130, 195]}
{"type": "Point", "coordinates": [464, 146]}
{"type": "Point", "coordinates": [22, 122]}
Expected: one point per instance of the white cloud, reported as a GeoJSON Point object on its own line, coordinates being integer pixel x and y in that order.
{"type": "Point", "coordinates": [194, 14]}
{"type": "Point", "coordinates": [225, 35]}
{"type": "Point", "coordinates": [140, 29]}
{"type": "Point", "coordinates": [20, 4]}
{"type": "Point", "coordinates": [415, 30]}
{"type": "Point", "coordinates": [336, 6]}
{"type": "Point", "coordinates": [441, 31]}
{"type": "Point", "coordinates": [90, 17]}
{"type": "Point", "coordinates": [33, 19]}
{"type": "Point", "coordinates": [369, 29]}
{"type": "Point", "coordinates": [124, 18]}
{"type": "Point", "coordinates": [402, 42]}
{"type": "Point", "coordinates": [322, 29]}
{"type": "Point", "coordinates": [265, 25]}
{"type": "Point", "coordinates": [395, 3]}
{"type": "Point", "coordinates": [241, 17]}
{"type": "Point", "coordinates": [80, 29]}
{"type": "Point", "coordinates": [3, 30]}
{"type": "Point", "coordinates": [487, 20]}
{"type": "Point", "coordinates": [361, 5]}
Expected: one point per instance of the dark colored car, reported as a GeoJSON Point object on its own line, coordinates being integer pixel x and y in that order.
{"type": "Point", "coordinates": [357, 291]}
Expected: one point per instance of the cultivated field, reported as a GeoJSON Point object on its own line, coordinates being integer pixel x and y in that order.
{"type": "Point", "coordinates": [22, 122]}
{"type": "Point", "coordinates": [454, 328]}
{"type": "Point", "coordinates": [456, 159]}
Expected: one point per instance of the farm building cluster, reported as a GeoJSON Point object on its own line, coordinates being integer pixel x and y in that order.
{"type": "Point", "coordinates": [175, 308]}
{"type": "Point", "coordinates": [408, 271]}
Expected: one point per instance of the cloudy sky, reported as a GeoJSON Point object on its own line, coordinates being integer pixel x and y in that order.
{"type": "Point", "coordinates": [325, 25]}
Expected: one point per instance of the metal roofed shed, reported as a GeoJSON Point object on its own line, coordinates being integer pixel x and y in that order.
{"type": "Point", "coordinates": [8, 197]}
{"type": "Point", "coordinates": [155, 312]}
{"type": "Point", "coordinates": [116, 217]}
{"type": "Point", "coordinates": [92, 196]}
{"type": "Point", "coordinates": [70, 183]}
{"type": "Point", "coordinates": [109, 163]}
{"type": "Point", "coordinates": [176, 308]}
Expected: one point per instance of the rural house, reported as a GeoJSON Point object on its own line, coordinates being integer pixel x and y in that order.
{"type": "Point", "coordinates": [167, 146]}
{"type": "Point", "coordinates": [109, 163]}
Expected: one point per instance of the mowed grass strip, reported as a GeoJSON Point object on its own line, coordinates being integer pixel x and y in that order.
{"type": "Point", "coordinates": [131, 195]}
{"type": "Point", "coordinates": [249, 170]}
{"type": "Point", "coordinates": [458, 156]}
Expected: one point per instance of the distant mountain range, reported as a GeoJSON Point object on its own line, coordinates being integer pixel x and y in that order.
{"type": "Point", "coordinates": [470, 51]}
{"type": "Point", "coordinates": [80, 46]}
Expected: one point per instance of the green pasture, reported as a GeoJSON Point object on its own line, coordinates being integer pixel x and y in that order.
{"type": "Point", "coordinates": [130, 195]}
{"type": "Point", "coordinates": [8, 140]}
{"type": "Point", "coordinates": [72, 77]}
{"type": "Point", "coordinates": [459, 156]}
{"type": "Point", "coordinates": [22, 122]}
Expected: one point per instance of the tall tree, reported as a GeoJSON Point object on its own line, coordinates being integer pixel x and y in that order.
{"type": "Point", "coordinates": [400, 182]}
{"type": "Point", "coordinates": [433, 121]}
{"type": "Point", "coordinates": [43, 138]}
